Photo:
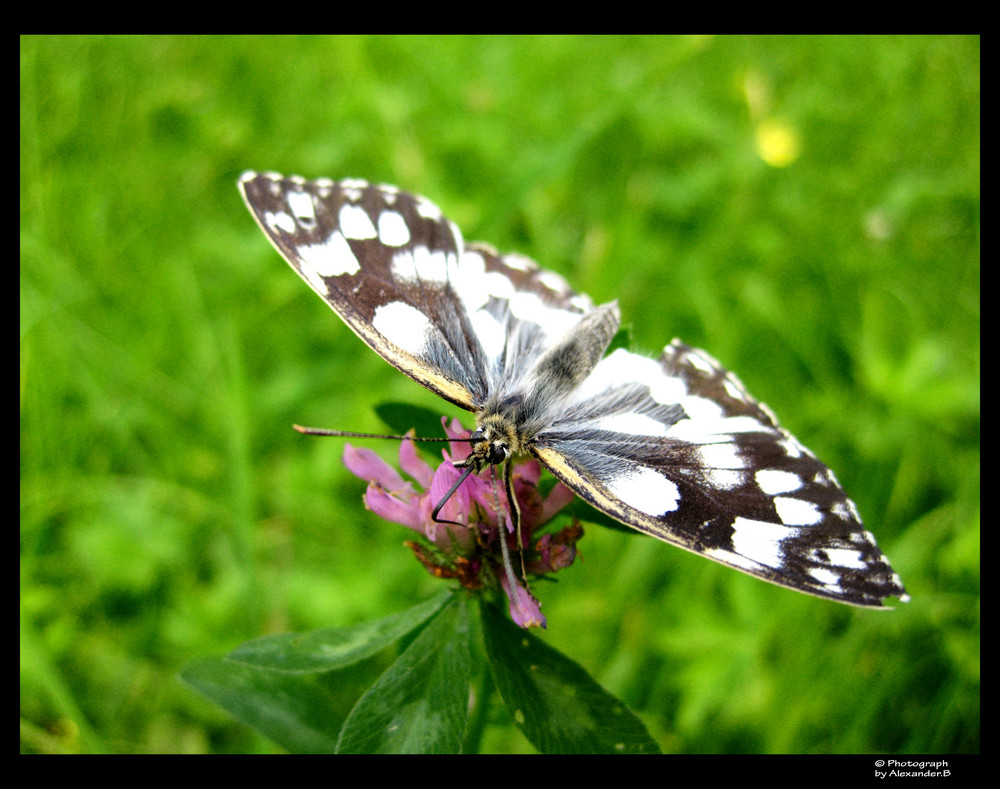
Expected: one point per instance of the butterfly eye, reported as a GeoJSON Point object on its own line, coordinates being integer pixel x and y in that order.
{"type": "Point", "coordinates": [497, 454]}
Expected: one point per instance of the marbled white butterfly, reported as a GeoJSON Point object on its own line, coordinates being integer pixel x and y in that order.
{"type": "Point", "coordinates": [674, 446]}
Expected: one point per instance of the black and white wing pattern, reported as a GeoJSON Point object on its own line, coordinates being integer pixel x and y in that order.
{"type": "Point", "coordinates": [454, 317]}
{"type": "Point", "coordinates": [677, 448]}
{"type": "Point", "coordinates": [674, 447]}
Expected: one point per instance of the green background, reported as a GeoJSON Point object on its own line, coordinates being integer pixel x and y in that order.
{"type": "Point", "coordinates": [168, 512]}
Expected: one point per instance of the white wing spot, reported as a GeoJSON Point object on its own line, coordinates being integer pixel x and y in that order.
{"type": "Point", "coordinates": [734, 559]}
{"type": "Point", "coordinates": [316, 282]}
{"type": "Point", "coordinates": [274, 184]}
{"type": "Point", "coordinates": [353, 188]}
{"type": "Point", "coordinates": [404, 267]}
{"type": "Point", "coordinates": [490, 333]}
{"type": "Point", "coordinates": [792, 447]}
{"type": "Point", "coordinates": [431, 265]}
{"type": "Point", "coordinates": [733, 390]}
{"type": "Point", "coordinates": [468, 277]}
{"type": "Point", "coordinates": [707, 419]}
{"type": "Point", "coordinates": [796, 512]}
{"type": "Point", "coordinates": [499, 286]}
{"type": "Point", "coordinates": [355, 222]}
{"type": "Point", "coordinates": [530, 307]}
{"type": "Point", "coordinates": [633, 424]}
{"type": "Point", "coordinates": [622, 367]}
{"type": "Point", "coordinates": [773, 481]}
{"type": "Point", "coordinates": [645, 490]}
{"type": "Point", "coordinates": [761, 541]}
{"type": "Point", "coordinates": [724, 479]}
{"type": "Point", "coordinates": [302, 206]}
{"type": "Point", "coordinates": [456, 236]}
{"type": "Point", "coordinates": [721, 456]}
{"type": "Point", "coordinates": [280, 221]}
{"type": "Point", "coordinates": [525, 305]}
{"type": "Point", "coordinates": [702, 361]}
{"type": "Point", "coordinates": [854, 512]}
{"type": "Point", "coordinates": [553, 281]}
{"type": "Point", "coordinates": [427, 209]}
{"type": "Point", "coordinates": [403, 325]}
{"type": "Point", "coordinates": [331, 258]}
{"type": "Point", "coordinates": [392, 229]}
{"type": "Point", "coordinates": [420, 263]}
{"type": "Point", "coordinates": [844, 557]}
{"type": "Point", "coordinates": [520, 262]}
{"type": "Point", "coordinates": [844, 510]}
{"type": "Point", "coordinates": [826, 577]}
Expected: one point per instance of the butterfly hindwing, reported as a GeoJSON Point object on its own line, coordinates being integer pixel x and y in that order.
{"type": "Point", "coordinates": [677, 448]}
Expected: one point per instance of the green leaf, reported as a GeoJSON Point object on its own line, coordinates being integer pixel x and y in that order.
{"type": "Point", "coordinates": [554, 701]}
{"type": "Point", "coordinates": [419, 705]}
{"type": "Point", "coordinates": [296, 711]}
{"type": "Point", "coordinates": [298, 689]}
{"type": "Point", "coordinates": [333, 648]}
{"type": "Point", "coordinates": [401, 417]}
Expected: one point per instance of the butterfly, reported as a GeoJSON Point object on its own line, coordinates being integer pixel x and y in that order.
{"type": "Point", "coordinates": [672, 446]}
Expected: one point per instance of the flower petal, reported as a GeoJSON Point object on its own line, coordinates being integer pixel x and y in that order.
{"type": "Point", "coordinates": [364, 463]}
{"type": "Point", "coordinates": [460, 450]}
{"type": "Point", "coordinates": [529, 470]}
{"type": "Point", "coordinates": [385, 505]}
{"type": "Point", "coordinates": [413, 464]}
{"type": "Point", "coordinates": [558, 498]}
{"type": "Point", "coordinates": [456, 508]}
{"type": "Point", "coordinates": [525, 610]}
{"type": "Point", "coordinates": [488, 494]}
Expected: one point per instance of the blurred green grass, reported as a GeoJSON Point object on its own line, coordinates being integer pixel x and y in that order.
{"type": "Point", "coordinates": [806, 209]}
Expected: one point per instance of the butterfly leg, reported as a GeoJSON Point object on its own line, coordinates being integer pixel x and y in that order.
{"type": "Point", "coordinates": [515, 512]}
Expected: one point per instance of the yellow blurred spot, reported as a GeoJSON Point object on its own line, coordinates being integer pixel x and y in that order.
{"type": "Point", "coordinates": [777, 143]}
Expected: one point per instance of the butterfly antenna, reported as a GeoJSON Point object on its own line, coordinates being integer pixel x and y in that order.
{"type": "Point", "coordinates": [322, 431]}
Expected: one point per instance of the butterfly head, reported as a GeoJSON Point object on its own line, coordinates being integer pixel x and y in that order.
{"type": "Point", "coordinates": [494, 441]}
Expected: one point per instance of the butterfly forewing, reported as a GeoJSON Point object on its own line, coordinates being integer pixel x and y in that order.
{"type": "Point", "coordinates": [456, 318]}
{"type": "Point", "coordinates": [380, 258]}
{"type": "Point", "coordinates": [674, 447]}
